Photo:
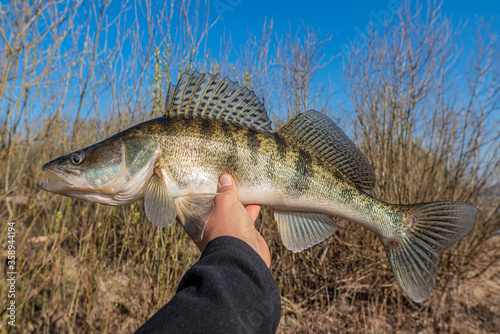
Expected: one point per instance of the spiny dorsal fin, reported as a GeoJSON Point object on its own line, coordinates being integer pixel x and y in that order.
{"type": "Point", "coordinates": [211, 96]}
{"type": "Point", "coordinates": [318, 134]}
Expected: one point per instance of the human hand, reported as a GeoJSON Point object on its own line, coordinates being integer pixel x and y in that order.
{"type": "Point", "coordinates": [231, 218]}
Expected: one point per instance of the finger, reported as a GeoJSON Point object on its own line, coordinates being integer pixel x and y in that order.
{"type": "Point", "coordinates": [253, 210]}
{"type": "Point", "coordinates": [226, 184]}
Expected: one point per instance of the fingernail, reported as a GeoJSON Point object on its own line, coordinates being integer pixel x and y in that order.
{"type": "Point", "coordinates": [225, 181]}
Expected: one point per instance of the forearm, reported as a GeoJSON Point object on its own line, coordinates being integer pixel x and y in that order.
{"type": "Point", "coordinates": [230, 289]}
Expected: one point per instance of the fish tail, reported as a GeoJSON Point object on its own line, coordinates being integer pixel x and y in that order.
{"type": "Point", "coordinates": [429, 229]}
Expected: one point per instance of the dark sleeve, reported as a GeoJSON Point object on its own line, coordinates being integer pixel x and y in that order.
{"type": "Point", "coordinates": [229, 290]}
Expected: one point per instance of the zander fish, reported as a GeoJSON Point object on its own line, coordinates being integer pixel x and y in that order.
{"type": "Point", "coordinates": [307, 171]}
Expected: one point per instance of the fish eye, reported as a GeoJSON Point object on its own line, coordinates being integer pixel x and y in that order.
{"type": "Point", "coordinates": [77, 158]}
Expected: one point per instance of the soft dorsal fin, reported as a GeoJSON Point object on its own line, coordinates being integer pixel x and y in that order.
{"type": "Point", "coordinates": [211, 96]}
{"type": "Point", "coordinates": [318, 134]}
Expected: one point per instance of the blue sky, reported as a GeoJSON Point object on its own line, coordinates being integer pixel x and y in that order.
{"type": "Point", "coordinates": [342, 19]}
{"type": "Point", "coordinates": [339, 18]}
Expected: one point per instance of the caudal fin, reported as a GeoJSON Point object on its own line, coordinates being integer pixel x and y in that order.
{"type": "Point", "coordinates": [432, 228]}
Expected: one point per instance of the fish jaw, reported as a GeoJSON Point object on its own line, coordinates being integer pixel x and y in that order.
{"type": "Point", "coordinates": [70, 184]}
{"type": "Point", "coordinates": [60, 181]}
{"type": "Point", "coordinates": [132, 190]}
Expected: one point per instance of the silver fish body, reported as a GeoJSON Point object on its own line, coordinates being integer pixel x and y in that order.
{"type": "Point", "coordinates": [307, 171]}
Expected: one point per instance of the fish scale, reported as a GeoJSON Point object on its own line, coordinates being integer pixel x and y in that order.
{"type": "Point", "coordinates": [307, 171]}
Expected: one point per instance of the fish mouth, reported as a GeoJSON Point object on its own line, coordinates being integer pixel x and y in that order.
{"type": "Point", "coordinates": [56, 179]}
{"type": "Point", "coordinates": [69, 183]}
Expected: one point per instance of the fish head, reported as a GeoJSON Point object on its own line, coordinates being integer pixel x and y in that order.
{"type": "Point", "coordinates": [109, 172]}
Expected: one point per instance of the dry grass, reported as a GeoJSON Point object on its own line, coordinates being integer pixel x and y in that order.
{"type": "Point", "coordinates": [84, 267]}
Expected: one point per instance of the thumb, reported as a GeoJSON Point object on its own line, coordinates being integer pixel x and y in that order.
{"type": "Point", "coordinates": [226, 184]}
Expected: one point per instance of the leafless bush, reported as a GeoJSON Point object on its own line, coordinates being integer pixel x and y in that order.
{"type": "Point", "coordinates": [281, 69]}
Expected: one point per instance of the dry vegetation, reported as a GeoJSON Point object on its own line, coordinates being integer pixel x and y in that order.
{"type": "Point", "coordinates": [72, 73]}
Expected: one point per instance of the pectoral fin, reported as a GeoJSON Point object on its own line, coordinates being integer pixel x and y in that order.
{"type": "Point", "coordinates": [301, 230]}
{"type": "Point", "coordinates": [158, 203]}
{"type": "Point", "coordinates": [193, 212]}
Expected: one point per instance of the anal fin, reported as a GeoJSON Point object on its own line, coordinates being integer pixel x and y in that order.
{"type": "Point", "coordinates": [301, 230]}
{"type": "Point", "coordinates": [193, 212]}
